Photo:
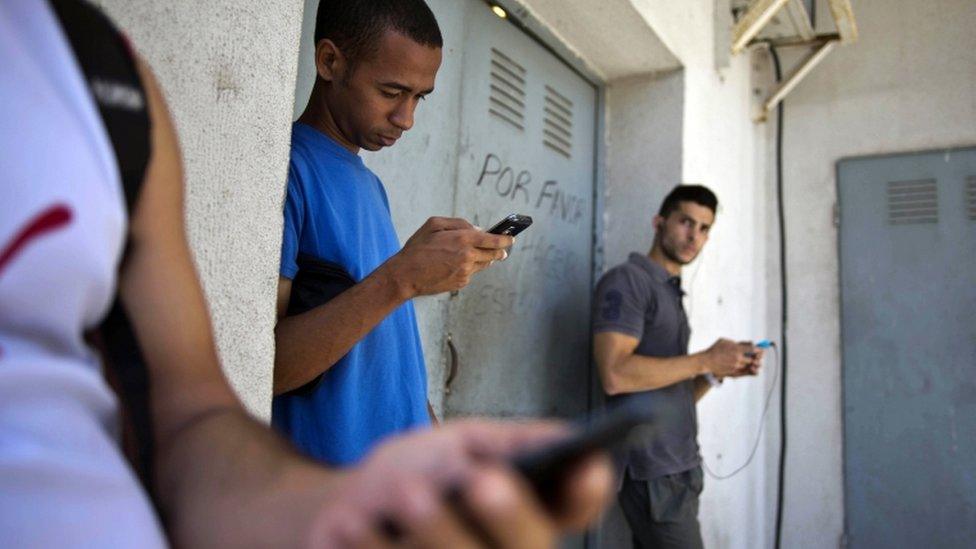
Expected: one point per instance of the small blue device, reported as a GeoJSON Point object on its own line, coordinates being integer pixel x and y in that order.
{"type": "Point", "coordinates": [764, 344]}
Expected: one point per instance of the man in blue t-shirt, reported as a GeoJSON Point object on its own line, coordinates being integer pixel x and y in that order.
{"type": "Point", "coordinates": [351, 371]}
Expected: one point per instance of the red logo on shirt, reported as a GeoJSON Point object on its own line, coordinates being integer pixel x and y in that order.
{"type": "Point", "coordinates": [54, 218]}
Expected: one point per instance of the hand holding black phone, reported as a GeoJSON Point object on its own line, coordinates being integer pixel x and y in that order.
{"type": "Point", "coordinates": [546, 468]}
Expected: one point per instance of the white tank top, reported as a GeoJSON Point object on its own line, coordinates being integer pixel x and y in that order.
{"type": "Point", "coordinates": [63, 480]}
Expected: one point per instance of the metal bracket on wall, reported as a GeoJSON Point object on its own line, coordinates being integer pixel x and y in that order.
{"type": "Point", "coordinates": [759, 14]}
{"type": "Point", "coordinates": [799, 72]}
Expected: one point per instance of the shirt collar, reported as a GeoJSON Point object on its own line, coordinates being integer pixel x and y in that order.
{"type": "Point", "coordinates": [328, 143]}
{"type": "Point", "coordinates": [658, 273]}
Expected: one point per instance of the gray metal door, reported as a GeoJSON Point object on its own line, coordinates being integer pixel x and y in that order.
{"type": "Point", "coordinates": [521, 329]}
{"type": "Point", "coordinates": [908, 282]}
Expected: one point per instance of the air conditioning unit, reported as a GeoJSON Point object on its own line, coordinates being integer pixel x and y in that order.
{"type": "Point", "coordinates": [794, 20]}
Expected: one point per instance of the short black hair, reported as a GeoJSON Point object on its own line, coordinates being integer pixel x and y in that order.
{"type": "Point", "coordinates": [698, 194]}
{"type": "Point", "coordinates": [355, 26]}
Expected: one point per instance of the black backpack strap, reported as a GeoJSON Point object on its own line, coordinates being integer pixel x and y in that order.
{"type": "Point", "coordinates": [109, 67]}
{"type": "Point", "coordinates": [316, 283]}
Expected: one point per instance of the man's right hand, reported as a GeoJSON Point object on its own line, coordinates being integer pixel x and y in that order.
{"type": "Point", "coordinates": [451, 487]}
{"type": "Point", "coordinates": [443, 255]}
{"type": "Point", "coordinates": [726, 357]}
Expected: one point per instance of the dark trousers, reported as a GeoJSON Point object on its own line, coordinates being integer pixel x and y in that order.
{"type": "Point", "coordinates": [663, 512]}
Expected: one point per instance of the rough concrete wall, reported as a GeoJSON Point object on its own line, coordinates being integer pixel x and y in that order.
{"type": "Point", "coordinates": [227, 69]}
{"type": "Point", "coordinates": [909, 84]}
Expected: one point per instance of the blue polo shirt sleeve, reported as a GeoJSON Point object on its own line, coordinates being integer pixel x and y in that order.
{"type": "Point", "coordinates": [621, 302]}
{"type": "Point", "coordinates": [294, 214]}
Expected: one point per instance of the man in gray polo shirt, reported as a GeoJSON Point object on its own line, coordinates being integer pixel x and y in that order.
{"type": "Point", "coordinates": [641, 349]}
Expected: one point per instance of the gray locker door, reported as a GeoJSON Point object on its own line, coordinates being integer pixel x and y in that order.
{"type": "Point", "coordinates": [521, 329]}
{"type": "Point", "coordinates": [908, 282]}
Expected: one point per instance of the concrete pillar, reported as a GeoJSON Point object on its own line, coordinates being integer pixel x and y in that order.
{"type": "Point", "coordinates": [227, 69]}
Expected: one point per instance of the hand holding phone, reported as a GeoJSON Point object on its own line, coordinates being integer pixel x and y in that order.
{"type": "Point", "coordinates": [546, 468]}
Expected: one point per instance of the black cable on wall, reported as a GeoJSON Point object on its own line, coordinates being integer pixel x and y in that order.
{"type": "Point", "coordinates": [783, 303]}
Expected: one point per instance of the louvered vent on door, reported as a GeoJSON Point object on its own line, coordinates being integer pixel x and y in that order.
{"type": "Point", "coordinates": [971, 197]}
{"type": "Point", "coordinates": [557, 123]}
{"type": "Point", "coordinates": [507, 99]}
{"type": "Point", "coordinates": [913, 202]}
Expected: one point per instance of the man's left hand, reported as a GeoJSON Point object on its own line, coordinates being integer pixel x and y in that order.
{"type": "Point", "coordinates": [751, 368]}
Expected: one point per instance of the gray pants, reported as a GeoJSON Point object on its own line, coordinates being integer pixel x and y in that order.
{"type": "Point", "coordinates": [663, 512]}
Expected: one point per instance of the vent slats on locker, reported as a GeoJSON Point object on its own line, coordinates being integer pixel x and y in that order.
{"type": "Point", "coordinates": [971, 197]}
{"type": "Point", "coordinates": [507, 99]}
{"type": "Point", "coordinates": [913, 202]}
{"type": "Point", "coordinates": [557, 123]}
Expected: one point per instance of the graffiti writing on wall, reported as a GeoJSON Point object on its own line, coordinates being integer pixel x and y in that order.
{"type": "Point", "coordinates": [519, 187]}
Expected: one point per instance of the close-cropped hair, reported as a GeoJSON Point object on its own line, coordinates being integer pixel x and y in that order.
{"type": "Point", "coordinates": [356, 26]}
{"type": "Point", "coordinates": [698, 194]}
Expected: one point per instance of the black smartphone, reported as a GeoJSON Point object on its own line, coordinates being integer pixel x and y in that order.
{"type": "Point", "coordinates": [511, 225]}
{"type": "Point", "coordinates": [546, 467]}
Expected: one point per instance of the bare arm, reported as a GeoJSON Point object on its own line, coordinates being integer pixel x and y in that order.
{"type": "Point", "coordinates": [308, 344]}
{"type": "Point", "coordinates": [623, 371]}
{"type": "Point", "coordinates": [701, 387]}
{"type": "Point", "coordinates": [442, 256]}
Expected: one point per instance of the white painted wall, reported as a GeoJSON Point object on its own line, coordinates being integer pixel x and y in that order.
{"type": "Point", "coordinates": [227, 70]}
{"type": "Point", "coordinates": [909, 84]}
{"type": "Point", "coordinates": [729, 293]}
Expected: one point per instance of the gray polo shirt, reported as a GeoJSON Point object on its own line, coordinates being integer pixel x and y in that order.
{"type": "Point", "coordinates": [640, 298]}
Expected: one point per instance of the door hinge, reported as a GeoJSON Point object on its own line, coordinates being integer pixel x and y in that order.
{"type": "Point", "coordinates": [836, 215]}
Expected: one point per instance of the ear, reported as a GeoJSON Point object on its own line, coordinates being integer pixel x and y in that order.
{"type": "Point", "coordinates": [657, 222]}
{"type": "Point", "coordinates": [330, 63]}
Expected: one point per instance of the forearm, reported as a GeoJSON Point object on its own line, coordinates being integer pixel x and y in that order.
{"type": "Point", "coordinates": [637, 373]}
{"type": "Point", "coordinates": [221, 479]}
{"type": "Point", "coordinates": [702, 385]}
{"type": "Point", "coordinates": [310, 343]}
{"type": "Point", "coordinates": [216, 468]}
